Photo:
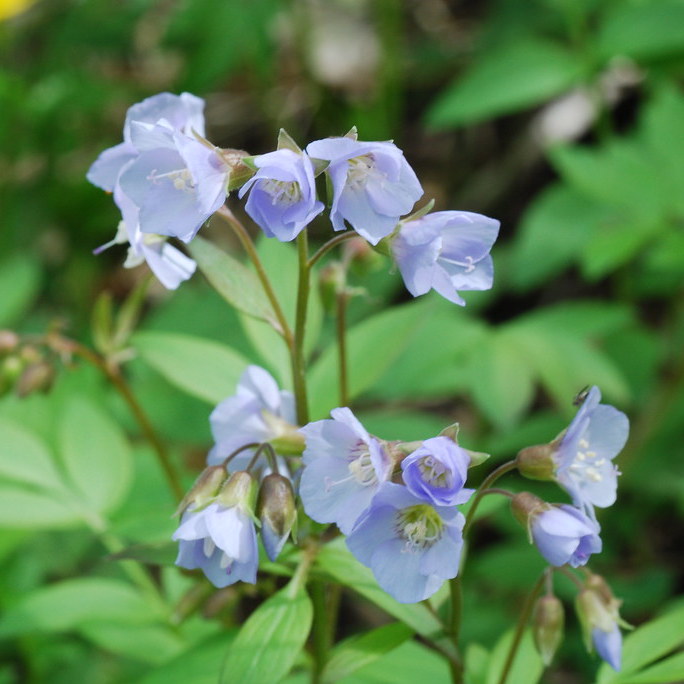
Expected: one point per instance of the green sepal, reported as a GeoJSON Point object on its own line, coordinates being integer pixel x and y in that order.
{"type": "Point", "coordinates": [249, 161]}
{"type": "Point", "coordinates": [477, 457]}
{"type": "Point", "coordinates": [352, 133]}
{"type": "Point", "coordinates": [419, 213]}
{"type": "Point", "coordinates": [285, 142]}
{"type": "Point", "coordinates": [319, 165]}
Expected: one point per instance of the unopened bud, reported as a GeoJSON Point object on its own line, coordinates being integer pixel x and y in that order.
{"type": "Point", "coordinates": [11, 368]}
{"type": "Point", "coordinates": [547, 627]}
{"type": "Point", "coordinates": [277, 512]}
{"type": "Point", "coordinates": [205, 489]}
{"type": "Point", "coordinates": [9, 341]}
{"type": "Point", "coordinates": [536, 462]}
{"type": "Point", "coordinates": [36, 377]}
{"type": "Point", "coordinates": [361, 256]}
{"type": "Point", "coordinates": [239, 490]}
{"type": "Point", "coordinates": [30, 354]}
{"type": "Point", "coordinates": [332, 281]}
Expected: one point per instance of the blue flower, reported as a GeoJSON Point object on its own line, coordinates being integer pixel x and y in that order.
{"type": "Point", "coordinates": [343, 468]}
{"type": "Point", "coordinates": [176, 181]}
{"type": "Point", "coordinates": [583, 454]}
{"type": "Point", "coordinates": [446, 251]}
{"type": "Point", "coordinates": [411, 546]}
{"type": "Point", "coordinates": [221, 541]}
{"type": "Point", "coordinates": [563, 534]}
{"type": "Point", "coordinates": [183, 112]}
{"type": "Point", "coordinates": [282, 199]}
{"type": "Point", "coordinates": [609, 645]}
{"type": "Point", "coordinates": [437, 471]}
{"type": "Point", "coordinates": [373, 185]}
{"type": "Point", "coordinates": [259, 411]}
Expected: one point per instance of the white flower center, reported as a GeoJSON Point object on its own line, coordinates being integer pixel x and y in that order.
{"type": "Point", "coordinates": [360, 466]}
{"type": "Point", "coordinates": [282, 192]}
{"type": "Point", "coordinates": [435, 473]}
{"type": "Point", "coordinates": [586, 463]}
{"type": "Point", "coordinates": [420, 527]}
{"type": "Point", "coordinates": [181, 179]}
{"type": "Point", "coordinates": [359, 169]}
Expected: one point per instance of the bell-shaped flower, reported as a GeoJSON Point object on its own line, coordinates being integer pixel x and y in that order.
{"type": "Point", "coordinates": [259, 411]}
{"type": "Point", "coordinates": [169, 265]}
{"type": "Point", "coordinates": [583, 455]}
{"type": "Point", "coordinates": [373, 185]}
{"type": "Point", "coordinates": [411, 546]}
{"type": "Point", "coordinates": [437, 471]}
{"type": "Point", "coordinates": [277, 512]}
{"type": "Point", "coordinates": [176, 181]}
{"type": "Point", "coordinates": [282, 193]}
{"type": "Point", "coordinates": [183, 112]}
{"type": "Point", "coordinates": [221, 538]}
{"type": "Point", "coordinates": [343, 468]}
{"type": "Point", "coordinates": [446, 251]}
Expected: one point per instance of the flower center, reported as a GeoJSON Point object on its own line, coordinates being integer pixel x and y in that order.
{"type": "Point", "coordinates": [359, 169]}
{"type": "Point", "coordinates": [586, 463]}
{"type": "Point", "coordinates": [181, 179]}
{"type": "Point", "coordinates": [420, 527]}
{"type": "Point", "coordinates": [360, 466]}
{"type": "Point", "coordinates": [282, 192]}
{"type": "Point", "coordinates": [435, 473]}
{"type": "Point", "coordinates": [468, 263]}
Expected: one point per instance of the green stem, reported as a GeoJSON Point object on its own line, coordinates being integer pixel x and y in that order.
{"type": "Point", "coordinates": [298, 364]}
{"type": "Point", "coordinates": [341, 301]}
{"type": "Point", "coordinates": [113, 374]}
{"type": "Point", "coordinates": [455, 611]}
{"type": "Point", "coordinates": [486, 484]}
{"type": "Point", "coordinates": [320, 629]}
{"type": "Point", "coordinates": [330, 244]}
{"type": "Point", "coordinates": [520, 628]}
{"type": "Point", "coordinates": [248, 245]}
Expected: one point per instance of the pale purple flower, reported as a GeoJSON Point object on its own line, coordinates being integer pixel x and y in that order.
{"type": "Point", "coordinates": [584, 454]}
{"type": "Point", "coordinates": [343, 468]}
{"type": "Point", "coordinates": [221, 541]}
{"type": "Point", "coordinates": [563, 534]}
{"type": "Point", "coordinates": [411, 546]}
{"type": "Point", "coordinates": [282, 199]}
{"type": "Point", "coordinates": [183, 112]}
{"type": "Point", "coordinates": [609, 645]}
{"type": "Point", "coordinates": [167, 263]}
{"type": "Point", "coordinates": [176, 181]}
{"type": "Point", "coordinates": [446, 251]}
{"type": "Point", "coordinates": [437, 471]}
{"type": "Point", "coordinates": [373, 185]}
{"type": "Point", "coordinates": [259, 411]}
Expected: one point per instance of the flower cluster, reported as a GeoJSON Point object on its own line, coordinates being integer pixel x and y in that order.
{"type": "Point", "coordinates": [168, 180]}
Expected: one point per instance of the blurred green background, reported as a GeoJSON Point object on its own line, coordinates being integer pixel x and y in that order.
{"type": "Point", "coordinates": [564, 119]}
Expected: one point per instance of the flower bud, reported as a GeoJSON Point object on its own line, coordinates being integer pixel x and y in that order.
{"type": "Point", "coordinates": [205, 489]}
{"type": "Point", "coordinates": [525, 507]}
{"type": "Point", "coordinates": [277, 512]}
{"type": "Point", "coordinates": [239, 490]}
{"type": "Point", "coordinates": [360, 256]}
{"type": "Point", "coordinates": [547, 627]}
{"type": "Point", "coordinates": [9, 341]}
{"type": "Point", "coordinates": [36, 377]}
{"type": "Point", "coordinates": [536, 462]}
{"type": "Point", "coordinates": [11, 368]}
{"type": "Point", "coordinates": [332, 281]}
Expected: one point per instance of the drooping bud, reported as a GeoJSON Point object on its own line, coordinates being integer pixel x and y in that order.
{"type": "Point", "coordinates": [332, 281]}
{"type": "Point", "coordinates": [205, 489]}
{"type": "Point", "coordinates": [277, 512]}
{"type": "Point", "coordinates": [36, 377]}
{"type": "Point", "coordinates": [9, 341]}
{"type": "Point", "coordinates": [239, 490]}
{"type": "Point", "coordinates": [547, 627]}
{"type": "Point", "coordinates": [536, 462]}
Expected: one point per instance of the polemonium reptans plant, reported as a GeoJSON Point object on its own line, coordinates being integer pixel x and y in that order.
{"type": "Point", "coordinates": [385, 517]}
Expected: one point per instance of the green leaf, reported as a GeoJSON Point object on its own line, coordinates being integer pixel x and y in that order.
{"type": "Point", "coordinates": [19, 282]}
{"type": "Point", "coordinates": [360, 650]}
{"type": "Point", "coordinates": [501, 378]}
{"type": "Point", "coordinates": [644, 31]}
{"type": "Point", "coordinates": [72, 603]}
{"type": "Point", "coordinates": [646, 644]}
{"type": "Point", "coordinates": [26, 509]}
{"type": "Point", "coordinates": [552, 235]}
{"type": "Point", "coordinates": [200, 664]}
{"type": "Point", "coordinates": [269, 642]}
{"type": "Point", "coordinates": [25, 458]}
{"type": "Point", "coordinates": [203, 368]}
{"type": "Point", "coordinates": [527, 667]}
{"type": "Point", "coordinates": [664, 672]}
{"type": "Point", "coordinates": [336, 561]}
{"type": "Point", "coordinates": [506, 79]}
{"type": "Point", "coordinates": [372, 346]}
{"type": "Point", "coordinates": [476, 663]}
{"type": "Point", "coordinates": [153, 644]}
{"type": "Point", "coordinates": [96, 454]}
{"type": "Point", "coordinates": [161, 553]}
{"type": "Point", "coordinates": [237, 284]}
